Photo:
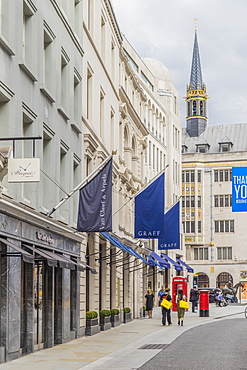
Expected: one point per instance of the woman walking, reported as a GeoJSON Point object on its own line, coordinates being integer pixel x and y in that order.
{"type": "Point", "coordinates": [149, 303]}
{"type": "Point", "coordinates": [180, 297]}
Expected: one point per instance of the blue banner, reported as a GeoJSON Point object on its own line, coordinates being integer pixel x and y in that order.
{"type": "Point", "coordinates": [171, 221]}
{"type": "Point", "coordinates": [239, 189]}
{"type": "Point", "coordinates": [149, 211]}
{"type": "Point", "coordinates": [95, 203]}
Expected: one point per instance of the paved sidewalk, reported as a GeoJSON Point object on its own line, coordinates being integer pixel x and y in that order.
{"type": "Point", "coordinates": [120, 347]}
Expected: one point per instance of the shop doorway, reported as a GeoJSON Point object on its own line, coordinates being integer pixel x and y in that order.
{"type": "Point", "coordinates": [38, 335]}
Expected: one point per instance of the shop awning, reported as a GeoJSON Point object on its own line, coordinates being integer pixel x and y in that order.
{"type": "Point", "coordinates": [123, 247]}
{"type": "Point", "coordinates": [139, 249]}
{"type": "Point", "coordinates": [27, 257]}
{"type": "Point", "coordinates": [63, 262]}
{"type": "Point", "coordinates": [53, 259]}
{"type": "Point", "coordinates": [50, 261]}
{"type": "Point", "coordinates": [189, 269]}
{"type": "Point", "coordinates": [161, 261]}
{"type": "Point", "coordinates": [175, 264]}
{"type": "Point", "coordinates": [87, 267]}
{"type": "Point", "coordinates": [114, 241]}
{"type": "Point", "coordinates": [77, 265]}
{"type": "Point", "coordinates": [152, 262]}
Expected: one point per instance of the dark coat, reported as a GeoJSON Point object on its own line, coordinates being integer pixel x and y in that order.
{"type": "Point", "coordinates": [194, 295]}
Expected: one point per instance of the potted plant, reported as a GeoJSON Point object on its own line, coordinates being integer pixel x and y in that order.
{"type": "Point", "coordinates": [92, 323]}
{"type": "Point", "coordinates": [105, 319]}
{"type": "Point", "coordinates": [127, 315]}
{"type": "Point", "coordinates": [115, 318]}
{"type": "Point", "coordinates": [143, 311]}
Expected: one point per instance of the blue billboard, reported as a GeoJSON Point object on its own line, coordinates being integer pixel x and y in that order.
{"type": "Point", "coordinates": [239, 189]}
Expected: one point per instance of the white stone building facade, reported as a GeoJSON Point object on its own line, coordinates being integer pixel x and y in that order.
{"type": "Point", "coordinates": [69, 96]}
{"type": "Point", "coordinates": [214, 235]}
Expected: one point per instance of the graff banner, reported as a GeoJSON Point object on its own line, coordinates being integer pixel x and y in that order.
{"type": "Point", "coordinates": [149, 211]}
{"type": "Point", "coordinates": [239, 189]}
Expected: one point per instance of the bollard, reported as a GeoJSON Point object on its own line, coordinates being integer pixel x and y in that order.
{"type": "Point", "coordinates": [204, 303]}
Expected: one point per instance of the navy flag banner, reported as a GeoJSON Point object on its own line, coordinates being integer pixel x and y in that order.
{"type": "Point", "coordinates": [171, 219]}
{"type": "Point", "coordinates": [95, 203]}
{"type": "Point", "coordinates": [149, 211]}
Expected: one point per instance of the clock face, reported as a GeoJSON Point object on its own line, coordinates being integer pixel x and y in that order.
{"type": "Point", "coordinates": [23, 169]}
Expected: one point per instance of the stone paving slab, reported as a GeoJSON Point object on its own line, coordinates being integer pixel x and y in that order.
{"type": "Point", "coordinates": [117, 348]}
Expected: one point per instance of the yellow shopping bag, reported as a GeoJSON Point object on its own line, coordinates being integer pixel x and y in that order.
{"type": "Point", "coordinates": [184, 304]}
{"type": "Point", "coordinates": [165, 303]}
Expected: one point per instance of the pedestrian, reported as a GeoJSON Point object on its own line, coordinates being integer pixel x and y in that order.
{"type": "Point", "coordinates": [161, 293]}
{"type": "Point", "coordinates": [149, 303]}
{"type": "Point", "coordinates": [194, 295]}
{"type": "Point", "coordinates": [180, 297]}
{"type": "Point", "coordinates": [166, 313]}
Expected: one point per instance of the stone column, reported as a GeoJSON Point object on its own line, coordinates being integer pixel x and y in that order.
{"type": "Point", "coordinates": [49, 306]}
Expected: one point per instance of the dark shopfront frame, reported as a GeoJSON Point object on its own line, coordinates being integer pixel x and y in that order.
{"type": "Point", "coordinates": [60, 290]}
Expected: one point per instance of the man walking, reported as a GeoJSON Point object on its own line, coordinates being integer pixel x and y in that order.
{"type": "Point", "coordinates": [166, 313]}
{"type": "Point", "coordinates": [194, 295]}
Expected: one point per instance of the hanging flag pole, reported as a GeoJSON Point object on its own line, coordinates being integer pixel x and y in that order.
{"type": "Point", "coordinates": [97, 169]}
{"type": "Point", "coordinates": [174, 204]}
{"type": "Point", "coordinates": [143, 188]}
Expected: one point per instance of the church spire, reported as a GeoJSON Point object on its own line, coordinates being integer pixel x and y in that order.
{"type": "Point", "coordinates": [196, 96]}
{"type": "Point", "coordinates": [196, 71]}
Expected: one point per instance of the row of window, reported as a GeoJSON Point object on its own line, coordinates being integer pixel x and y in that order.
{"type": "Point", "coordinates": [225, 226]}
{"type": "Point", "coordinates": [204, 148]}
{"type": "Point", "coordinates": [189, 176]}
{"type": "Point", "coordinates": [189, 226]}
{"type": "Point", "coordinates": [223, 253]}
{"type": "Point", "coordinates": [219, 176]}
{"type": "Point", "coordinates": [189, 201]}
{"type": "Point", "coordinates": [154, 157]}
{"type": "Point", "coordinates": [222, 175]}
{"type": "Point", "coordinates": [223, 200]}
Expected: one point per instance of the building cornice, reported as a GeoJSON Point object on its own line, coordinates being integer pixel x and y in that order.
{"type": "Point", "coordinates": [12, 208]}
{"type": "Point", "coordinates": [214, 163]}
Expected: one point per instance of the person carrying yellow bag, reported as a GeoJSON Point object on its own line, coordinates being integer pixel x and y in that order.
{"type": "Point", "coordinates": [166, 307]}
{"type": "Point", "coordinates": [181, 307]}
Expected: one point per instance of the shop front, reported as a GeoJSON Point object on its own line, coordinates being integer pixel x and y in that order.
{"type": "Point", "coordinates": [39, 282]}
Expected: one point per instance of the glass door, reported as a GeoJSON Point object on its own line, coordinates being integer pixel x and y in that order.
{"type": "Point", "coordinates": [38, 305]}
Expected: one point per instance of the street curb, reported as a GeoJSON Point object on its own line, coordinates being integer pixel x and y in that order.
{"type": "Point", "coordinates": [230, 314]}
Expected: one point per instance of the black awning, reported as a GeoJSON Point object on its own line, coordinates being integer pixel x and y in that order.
{"type": "Point", "coordinates": [78, 266]}
{"type": "Point", "coordinates": [27, 257]}
{"type": "Point", "coordinates": [63, 262]}
{"type": "Point", "coordinates": [50, 261]}
{"type": "Point", "coordinates": [87, 267]}
{"type": "Point", "coordinates": [54, 258]}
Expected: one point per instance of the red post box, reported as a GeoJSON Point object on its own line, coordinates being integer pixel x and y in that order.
{"type": "Point", "coordinates": [178, 282]}
{"type": "Point", "coordinates": [204, 303]}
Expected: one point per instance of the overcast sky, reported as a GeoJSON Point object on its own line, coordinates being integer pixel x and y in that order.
{"type": "Point", "coordinates": [164, 30]}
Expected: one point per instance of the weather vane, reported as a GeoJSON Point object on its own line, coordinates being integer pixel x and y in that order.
{"type": "Point", "coordinates": [195, 20]}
